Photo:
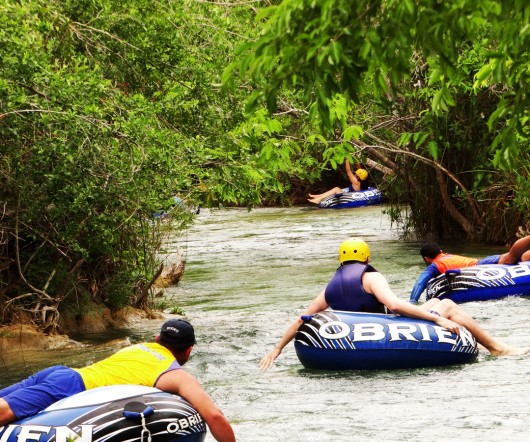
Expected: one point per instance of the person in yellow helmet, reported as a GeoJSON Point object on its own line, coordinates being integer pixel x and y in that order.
{"type": "Point", "coordinates": [358, 181]}
{"type": "Point", "coordinates": [358, 287]}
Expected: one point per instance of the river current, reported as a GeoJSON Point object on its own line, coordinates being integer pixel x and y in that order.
{"type": "Point", "coordinates": [249, 274]}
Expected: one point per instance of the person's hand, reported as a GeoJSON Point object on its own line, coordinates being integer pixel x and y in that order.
{"type": "Point", "coordinates": [449, 325]}
{"type": "Point", "coordinates": [268, 361]}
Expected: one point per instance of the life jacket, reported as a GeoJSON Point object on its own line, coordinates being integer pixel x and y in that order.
{"type": "Point", "coordinates": [445, 261]}
{"type": "Point", "coordinates": [345, 290]}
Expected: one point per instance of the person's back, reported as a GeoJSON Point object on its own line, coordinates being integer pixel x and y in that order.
{"type": "Point", "coordinates": [447, 261]}
{"type": "Point", "coordinates": [140, 364]}
{"type": "Point", "coordinates": [345, 290]}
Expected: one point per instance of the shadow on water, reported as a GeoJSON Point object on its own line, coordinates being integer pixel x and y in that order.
{"type": "Point", "coordinates": [249, 274]}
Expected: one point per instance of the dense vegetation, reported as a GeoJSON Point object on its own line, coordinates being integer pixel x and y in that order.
{"type": "Point", "coordinates": [110, 108]}
{"type": "Point", "coordinates": [438, 91]}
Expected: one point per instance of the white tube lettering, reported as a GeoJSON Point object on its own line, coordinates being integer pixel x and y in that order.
{"type": "Point", "coordinates": [184, 423]}
{"type": "Point", "coordinates": [444, 335]}
{"type": "Point", "coordinates": [368, 332]}
{"type": "Point", "coordinates": [65, 434]}
{"type": "Point", "coordinates": [342, 333]}
{"type": "Point", "coordinates": [33, 432]}
{"type": "Point", "coordinates": [7, 432]}
{"type": "Point", "coordinates": [490, 273]}
{"type": "Point", "coordinates": [425, 335]}
{"type": "Point", "coordinates": [172, 427]}
{"type": "Point", "coordinates": [404, 330]}
{"type": "Point", "coordinates": [518, 270]}
{"type": "Point", "coordinates": [467, 338]}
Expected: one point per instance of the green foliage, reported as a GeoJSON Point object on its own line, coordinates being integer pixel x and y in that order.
{"type": "Point", "coordinates": [107, 110]}
{"type": "Point", "coordinates": [168, 306]}
{"type": "Point", "coordinates": [117, 289]}
{"type": "Point", "coordinates": [438, 86]}
{"type": "Point", "coordinates": [325, 47]}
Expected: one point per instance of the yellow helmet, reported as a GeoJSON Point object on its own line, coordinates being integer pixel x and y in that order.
{"type": "Point", "coordinates": [362, 174]}
{"type": "Point", "coordinates": [354, 249]}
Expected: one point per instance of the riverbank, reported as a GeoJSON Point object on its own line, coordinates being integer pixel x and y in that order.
{"type": "Point", "coordinates": [20, 337]}
{"type": "Point", "coordinates": [25, 336]}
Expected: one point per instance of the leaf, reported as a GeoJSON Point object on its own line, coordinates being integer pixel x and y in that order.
{"type": "Point", "coordinates": [432, 147]}
{"type": "Point", "coordinates": [480, 77]}
{"type": "Point", "coordinates": [314, 137]}
{"type": "Point", "coordinates": [436, 100]}
{"type": "Point", "coordinates": [336, 50]}
{"type": "Point", "coordinates": [410, 6]}
{"type": "Point", "coordinates": [435, 77]}
{"type": "Point", "coordinates": [404, 138]}
{"type": "Point", "coordinates": [352, 131]}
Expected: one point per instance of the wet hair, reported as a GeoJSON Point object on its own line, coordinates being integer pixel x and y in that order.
{"type": "Point", "coordinates": [430, 249]}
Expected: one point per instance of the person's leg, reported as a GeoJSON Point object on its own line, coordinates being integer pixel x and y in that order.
{"type": "Point", "coordinates": [448, 309]}
{"type": "Point", "coordinates": [6, 413]}
{"type": "Point", "coordinates": [28, 382]}
{"type": "Point", "coordinates": [427, 305]}
{"type": "Point", "coordinates": [39, 391]}
{"type": "Point", "coordinates": [327, 193]}
{"type": "Point", "coordinates": [516, 252]}
{"type": "Point", "coordinates": [315, 199]}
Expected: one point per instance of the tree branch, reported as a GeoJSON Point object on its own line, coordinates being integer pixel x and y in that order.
{"type": "Point", "coordinates": [19, 266]}
{"type": "Point", "coordinates": [453, 211]}
{"type": "Point", "coordinates": [437, 166]}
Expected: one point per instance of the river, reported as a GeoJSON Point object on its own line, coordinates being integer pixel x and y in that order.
{"type": "Point", "coordinates": [249, 274]}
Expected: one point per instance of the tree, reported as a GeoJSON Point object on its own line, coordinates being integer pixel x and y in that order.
{"type": "Point", "coordinates": [107, 110]}
{"type": "Point", "coordinates": [409, 58]}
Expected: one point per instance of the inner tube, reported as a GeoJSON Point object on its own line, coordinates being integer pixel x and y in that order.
{"type": "Point", "coordinates": [481, 283]}
{"type": "Point", "coordinates": [337, 340]}
{"type": "Point", "coordinates": [344, 200]}
{"type": "Point", "coordinates": [119, 413]}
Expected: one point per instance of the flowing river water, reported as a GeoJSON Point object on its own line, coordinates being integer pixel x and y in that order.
{"type": "Point", "coordinates": [248, 275]}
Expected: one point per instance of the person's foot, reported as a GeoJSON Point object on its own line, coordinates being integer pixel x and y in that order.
{"type": "Point", "coordinates": [511, 351]}
{"type": "Point", "coordinates": [313, 200]}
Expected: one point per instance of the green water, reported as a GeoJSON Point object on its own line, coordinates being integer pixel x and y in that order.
{"type": "Point", "coordinates": [249, 274]}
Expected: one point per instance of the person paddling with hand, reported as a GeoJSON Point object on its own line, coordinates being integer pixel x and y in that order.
{"type": "Point", "coordinates": [153, 364]}
{"type": "Point", "coordinates": [358, 287]}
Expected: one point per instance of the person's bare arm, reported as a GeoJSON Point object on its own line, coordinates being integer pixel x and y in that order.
{"type": "Point", "coordinates": [184, 384]}
{"type": "Point", "coordinates": [356, 184]}
{"type": "Point", "coordinates": [318, 304]}
{"type": "Point", "coordinates": [376, 284]}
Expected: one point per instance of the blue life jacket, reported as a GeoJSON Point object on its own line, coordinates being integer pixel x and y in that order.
{"type": "Point", "coordinates": [345, 290]}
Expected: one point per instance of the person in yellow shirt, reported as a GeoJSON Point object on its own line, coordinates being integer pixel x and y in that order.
{"type": "Point", "coordinates": [153, 364]}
